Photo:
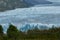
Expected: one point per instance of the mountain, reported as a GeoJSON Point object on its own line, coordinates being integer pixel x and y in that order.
{"type": "Point", "coordinates": [36, 2]}
{"type": "Point", "coordinates": [11, 4]}
{"type": "Point", "coordinates": [56, 3]}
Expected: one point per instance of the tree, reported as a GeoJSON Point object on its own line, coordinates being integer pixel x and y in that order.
{"type": "Point", "coordinates": [1, 30]}
{"type": "Point", "coordinates": [12, 32]}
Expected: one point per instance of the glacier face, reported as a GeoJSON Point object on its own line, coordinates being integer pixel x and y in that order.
{"type": "Point", "coordinates": [49, 15]}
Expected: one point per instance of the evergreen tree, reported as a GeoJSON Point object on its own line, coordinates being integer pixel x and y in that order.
{"type": "Point", "coordinates": [1, 30]}
{"type": "Point", "coordinates": [12, 32]}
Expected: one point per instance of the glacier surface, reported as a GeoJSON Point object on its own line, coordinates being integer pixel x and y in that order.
{"type": "Point", "coordinates": [49, 15]}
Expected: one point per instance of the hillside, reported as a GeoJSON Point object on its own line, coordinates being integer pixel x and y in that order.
{"type": "Point", "coordinates": [11, 4]}
{"type": "Point", "coordinates": [36, 2]}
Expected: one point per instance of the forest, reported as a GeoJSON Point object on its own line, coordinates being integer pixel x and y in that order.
{"type": "Point", "coordinates": [35, 34]}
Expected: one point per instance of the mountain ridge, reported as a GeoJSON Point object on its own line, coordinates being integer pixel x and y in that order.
{"type": "Point", "coordinates": [36, 2]}
{"type": "Point", "coordinates": [11, 4]}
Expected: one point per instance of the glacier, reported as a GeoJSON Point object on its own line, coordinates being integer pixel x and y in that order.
{"type": "Point", "coordinates": [45, 15]}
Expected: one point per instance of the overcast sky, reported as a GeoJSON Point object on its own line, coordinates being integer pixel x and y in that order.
{"type": "Point", "coordinates": [55, 0]}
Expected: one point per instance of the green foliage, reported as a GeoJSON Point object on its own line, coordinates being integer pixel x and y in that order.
{"type": "Point", "coordinates": [12, 32]}
{"type": "Point", "coordinates": [1, 30]}
{"type": "Point", "coordinates": [35, 34]}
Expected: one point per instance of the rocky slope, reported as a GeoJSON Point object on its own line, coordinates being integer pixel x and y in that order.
{"type": "Point", "coordinates": [35, 2]}
{"type": "Point", "coordinates": [11, 4]}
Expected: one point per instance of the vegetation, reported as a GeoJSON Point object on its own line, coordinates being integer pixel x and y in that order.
{"type": "Point", "coordinates": [14, 34]}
